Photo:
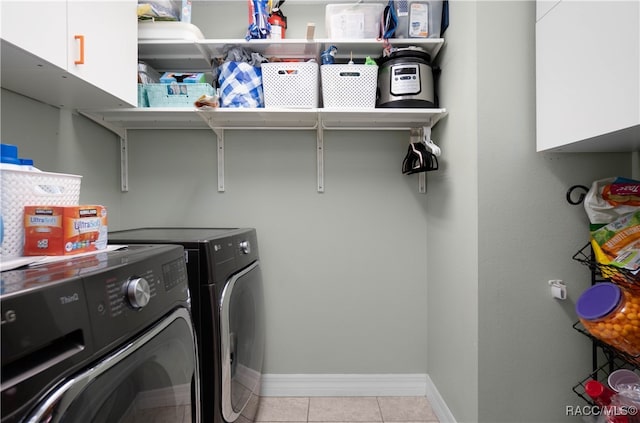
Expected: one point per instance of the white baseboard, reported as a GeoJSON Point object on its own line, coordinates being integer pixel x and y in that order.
{"type": "Point", "coordinates": [438, 405]}
{"type": "Point", "coordinates": [343, 385]}
{"type": "Point", "coordinates": [356, 385]}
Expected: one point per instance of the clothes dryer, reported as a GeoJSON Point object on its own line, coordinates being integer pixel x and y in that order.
{"type": "Point", "coordinates": [225, 281]}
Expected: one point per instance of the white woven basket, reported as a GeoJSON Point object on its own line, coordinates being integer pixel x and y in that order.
{"type": "Point", "coordinates": [352, 86]}
{"type": "Point", "coordinates": [22, 188]}
{"type": "Point", "coordinates": [292, 85]}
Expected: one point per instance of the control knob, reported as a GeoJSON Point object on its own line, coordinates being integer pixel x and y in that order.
{"type": "Point", "coordinates": [245, 247]}
{"type": "Point", "coordinates": [137, 292]}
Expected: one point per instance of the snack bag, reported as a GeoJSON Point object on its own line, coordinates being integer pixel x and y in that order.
{"type": "Point", "coordinates": [618, 243]}
{"type": "Point", "coordinates": [159, 10]}
{"type": "Point", "coordinates": [608, 199]}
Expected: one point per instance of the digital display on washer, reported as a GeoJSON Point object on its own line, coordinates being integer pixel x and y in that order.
{"type": "Point", "coordinates": [175, 274]}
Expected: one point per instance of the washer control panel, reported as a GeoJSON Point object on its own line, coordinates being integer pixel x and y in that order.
{"type": "Point", "coordinates": [129, 292]}
{"type": "Point", "coordinates": [127, 298]}
{"type": "Point", "coordinates": [79, 308]}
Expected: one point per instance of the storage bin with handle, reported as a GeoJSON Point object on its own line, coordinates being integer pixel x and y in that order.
{"type": "Point", "coordinates": [22, 188]}
{"type": "Point", "coordinates": [290, 84]}
{"type": "Point", "coordinates": [174, 94]}
{"type": "Point", "coordinates": [349, 86]}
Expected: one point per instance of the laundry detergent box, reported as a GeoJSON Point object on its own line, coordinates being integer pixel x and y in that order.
{"type": "Point", "coordinates": [64, 230]}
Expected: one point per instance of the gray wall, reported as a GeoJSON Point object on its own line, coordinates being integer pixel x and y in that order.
{"type": "Point", "coordinates": [527, 233]}
{"type": "Point", "coordinates": [506, 352]}
{"type": "Point", "coordinates": [345, 271]}
{"type": "Point", "coordinates": [63, 141]}
{"type": "Point", "coordinates": [372, 277]}
{"type": "Point", "coordinates": [452, 224]}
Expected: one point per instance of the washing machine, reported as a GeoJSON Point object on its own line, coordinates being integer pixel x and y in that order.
{"type": "Point", "coordinates": [225, 281]}
{"type": "Point", "coordinates": [100, 339]}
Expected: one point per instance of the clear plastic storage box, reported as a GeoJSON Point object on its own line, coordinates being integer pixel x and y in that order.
{"type": "Point", "coordinates": [354, 20]}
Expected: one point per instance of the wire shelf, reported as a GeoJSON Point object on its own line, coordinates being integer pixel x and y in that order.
{"type": "Point", "coordinates": [623, 277]}
{"type": "Point", "coordinates": [633, 360]}
{"type": "Point", "coordinates": [614, 359]}
{"type": "Point", "coordinates": [601, 374]}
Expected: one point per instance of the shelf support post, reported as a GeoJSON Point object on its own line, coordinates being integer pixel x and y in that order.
{"type": "Point", "coordinates": [124, 147]}
{"type": "Point", "coordinates": [320, 155]}
{"type": "Point", "coordinates": [220, 151]}
{"type": "Point", "coordinates": [422, 182]}
{"type": "Point", "coordinates": [416, 135]}
{"type": "Point", "coordinates": [124, 162]}
{"type": "Point", "coordinates": [219, 147]}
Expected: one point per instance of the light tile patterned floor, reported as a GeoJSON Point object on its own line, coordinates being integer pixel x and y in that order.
{"type": "Point", "coordinates": [345, 409]}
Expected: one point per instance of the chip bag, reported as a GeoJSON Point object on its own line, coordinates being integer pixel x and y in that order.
{"type": "Point", "coordinates": [608, 199]}
{"type": "Point", "coordinates": [618, 243]}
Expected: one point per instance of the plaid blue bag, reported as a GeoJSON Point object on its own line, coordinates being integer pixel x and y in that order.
{"type": "Point", "coordinates": [240, 85]}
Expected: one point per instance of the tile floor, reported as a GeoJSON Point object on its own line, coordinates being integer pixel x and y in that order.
{"type": "Point", "coordinates": [345, 409]}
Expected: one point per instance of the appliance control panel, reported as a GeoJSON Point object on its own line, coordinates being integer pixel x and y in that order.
{"type": "Point", "coordinates": [174, 273]}
{"type": "Point", "coordinates": [128, 292]}
{"type": "Point", "coordinates": [55, 316]}
{"type": "Point", "coordinates": [127, 298]}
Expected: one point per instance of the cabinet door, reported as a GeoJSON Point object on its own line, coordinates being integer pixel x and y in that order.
{"type": "Point", "coordinates": [587, 73]}
{"type": "Point", "coordinates": [109, 31]}
{"type": "Point", "coordinates": [38, 27]}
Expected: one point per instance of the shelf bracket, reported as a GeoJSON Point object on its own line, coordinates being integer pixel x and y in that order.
{"type": "Point", "coordinates": [416, 135]}
{"type": "Point", "coordinates": [422, 183]}
{"type": "Point", "coordinates": [124, 163]}
{"type": "Point", "coordinates": [320, 155]}
{"type": "Point", "coordinates": [124, 147]}
{"type": "Point", "coordinates": [219, 148]}
{"type": "Point", "coordinates": [220, 151]}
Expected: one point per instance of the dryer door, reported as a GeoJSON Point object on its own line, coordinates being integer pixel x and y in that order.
{"type": "Point", "coordinates": [153, 378]}
{"type": "Point", "coordinates": [242, 342]}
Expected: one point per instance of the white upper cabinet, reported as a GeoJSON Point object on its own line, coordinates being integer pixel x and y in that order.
{"type": "Point", "coordinates": [73, 54]}
{"type": "Point", "coordinates": [37, 27]}
{"type": "Point", "coordinates": [588, 76]}
{"type": "Point", "coordinates": [110, 32]}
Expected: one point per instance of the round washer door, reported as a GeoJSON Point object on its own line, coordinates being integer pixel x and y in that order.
{"type": "Point", "coordinates": [153, 378]}
{"type": "Point", "coordinates": [242, 342]}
